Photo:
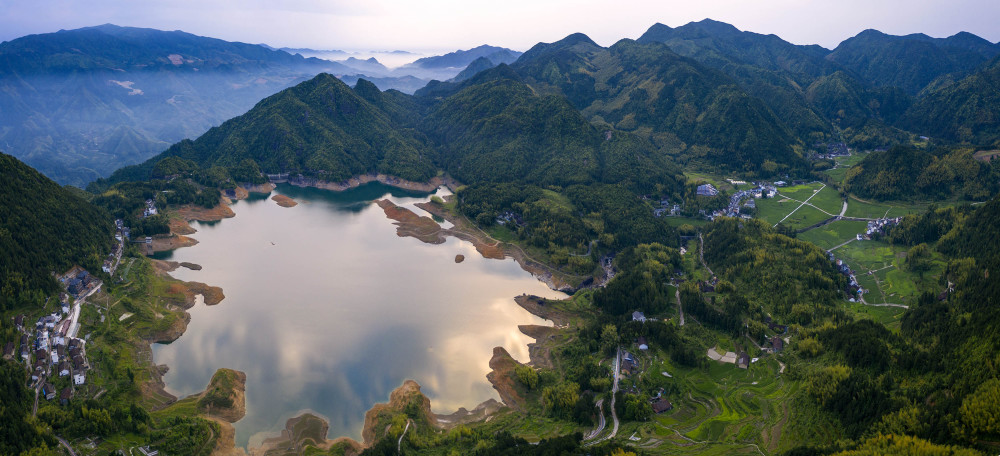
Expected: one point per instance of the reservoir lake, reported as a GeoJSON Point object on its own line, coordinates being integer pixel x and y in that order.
{"type": "Point", "coordinates": [328, 311]}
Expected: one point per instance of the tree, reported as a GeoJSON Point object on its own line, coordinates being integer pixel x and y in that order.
{"type": "Point", "coordinates": [918, 259]}
{"type": "Point", "coordinates": [527, 376]}
{"type": "Point", "coordinates": [609, 337]}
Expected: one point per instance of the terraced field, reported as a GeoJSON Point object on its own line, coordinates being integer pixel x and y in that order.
{"type": "Point", "coordinates": [725, 410]}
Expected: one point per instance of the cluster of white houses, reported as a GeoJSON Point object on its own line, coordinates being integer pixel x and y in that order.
{"type": "Point", "coordinates": [49, 352]}
{"type": "Point", "coordinates": [738, 200]}
{"type": "Point", "coordinates": [878, 227]}
{"type": "Point", "coordinates": [150, 209]}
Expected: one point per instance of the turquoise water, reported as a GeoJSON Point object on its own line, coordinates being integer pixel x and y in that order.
{"type": "Point", "coordinates": [327, 310]}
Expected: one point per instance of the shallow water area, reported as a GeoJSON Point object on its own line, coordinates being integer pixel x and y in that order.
{"type": "Point", "coordinates": [328, 310]}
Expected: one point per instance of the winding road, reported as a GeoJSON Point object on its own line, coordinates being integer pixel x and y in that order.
{"type": "Point", "coordinates": [65, 444]}
{"type": "Point", "coordinates": [399, 445]}
{"type": "Point", "coordinates": [614, 391]}
{"type": "Point", "coordinates": [600, 421]}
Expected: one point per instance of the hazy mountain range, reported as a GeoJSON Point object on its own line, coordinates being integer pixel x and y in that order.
{"type": "Point", "coordinates": [78, 104]}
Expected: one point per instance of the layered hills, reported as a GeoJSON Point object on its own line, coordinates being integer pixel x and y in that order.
{"type": "Point", "coordinates": [44, 228]}
{"type": "Point", "coordinates": [78, 104]}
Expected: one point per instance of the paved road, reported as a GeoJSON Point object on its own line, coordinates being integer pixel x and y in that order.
{"type": "Point", "coordinates": [399, 445]}
{"type": "Point", "coordinates": [34, 410]}
{"type": "Point", "coordinates": [614, 390]}
{"type": "Point", "coordinates": [65, 444]}
{"type": "Point", "coordinates": [600, 421]}
{"type": "Point", "coordinates": [680, 310]}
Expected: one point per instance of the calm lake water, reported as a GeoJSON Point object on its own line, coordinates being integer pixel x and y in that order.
{"type": "Point", "coordinates": [327, 310]}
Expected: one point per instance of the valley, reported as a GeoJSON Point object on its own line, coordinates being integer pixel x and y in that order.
{"type": "Point", "coordinates": [701, 241]}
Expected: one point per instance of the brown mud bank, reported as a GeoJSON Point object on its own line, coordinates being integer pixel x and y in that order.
{"type": "Point", "coordinates": [180, 226]}
{"type": "Point", "coordinates": [230, 384]}
{"type": "Point", "coordinates": [221, 211]}
{"type": "Point", "coordinates": [504, 380]}
{"type": "Point", "coordinates": [170, 266]}
{"type": "Point", "coordinates": [357, 181]}
{"type": "Point", "coordinates": [309, 429]}
{"type": "Point", "coordinates": [427, 230]}
{"type": "Point", "coordinates": [162, 243]}
{"type": "Point", "coordinates": [284, 201]}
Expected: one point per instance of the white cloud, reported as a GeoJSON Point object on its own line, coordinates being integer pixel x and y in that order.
{"type": "Point", "coordinates": [449, 24]}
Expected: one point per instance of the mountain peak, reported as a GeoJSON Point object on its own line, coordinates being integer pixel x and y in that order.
{"type": "Point", "coordinates": [716, 26]}
{"type": "Point", "coordinates": [575, 38]}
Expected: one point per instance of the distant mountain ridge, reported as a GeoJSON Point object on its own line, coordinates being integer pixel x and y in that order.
{"type": "Point", "coordinates": [911, 62]}
{"type": "Point", "coordinates": [461, 59]}
{"type": "Point", "coordinates": [78, 104]}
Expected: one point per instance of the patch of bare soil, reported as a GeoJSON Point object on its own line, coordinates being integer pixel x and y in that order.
{"type": "Point", "coordinates": [503, 379]}
{"type": "Point", "coordinates": [232, 384]}
{"type": "Point", "coordinates": [539, 353]}
{"type": "Point", "coordinates": [301, 430]}
{"type": "Point", "coordinates": [540, 307]}
{"type": "Point", "coordinates": [463, 416]}
{"type": "Point", "coordinates": [220, 211]}
{"type": "Point", "coordinates": [493, 249]}
{"type": "Point", "coordinates": [225, 442]}
{"type": "Point", "coordinates": [284, 201]}
{"type": "Point", "coordinates": [174, 331]}
{"type": "Point", "coordinates": [409, 224]}
{"type": "Point", "coordinates": [162, 243]}
{"type": "Point", "coordinates": [265, 188]}
{"type": "Point", "coordinates": [180, 226]}
{"type": "Point", "coordinates": [398, 400]}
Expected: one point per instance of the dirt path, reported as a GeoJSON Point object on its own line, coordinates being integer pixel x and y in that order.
{"type": "Point", "coordinates": [803, 204]}
{"type": "Point", "coordinates": [701, 253]}
{"type": "Point", "coordinates": [841, 244]}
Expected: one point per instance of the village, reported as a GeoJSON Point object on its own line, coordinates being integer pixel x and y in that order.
{"type": "Point", "coordinates": [737, 201]}
{"type": "Point", "coordinates": [51, 349]}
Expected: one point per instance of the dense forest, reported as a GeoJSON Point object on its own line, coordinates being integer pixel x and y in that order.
{"type": "Point", "coordinates": [44, 229]}
{"type": "Point", "coordinates": [905, 173]}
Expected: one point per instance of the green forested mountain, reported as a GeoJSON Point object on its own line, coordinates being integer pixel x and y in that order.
{"type": "Point", "coordinates": [44, 229]}
{"type": "Point", "coordinates": [79, 104]}
{"type": "Point", "coordinates": [966, 111]}
{"type": "Point", "coordinates": [905, 173]}
{"type": "Point", "coordinates": [719, 45]}
{"type": "Point", "coordinates": [911, 62]}
{"type": "Point", "coordinates": [810, 93]}
{"type": "Point", "coordinates": [321, 128]}
{"type": "Point", "coordinates": [682, 106]}
{"type": "Point", "coordinates": [500, 131]}
{"type": "Point", "coordinates": [478, 65]}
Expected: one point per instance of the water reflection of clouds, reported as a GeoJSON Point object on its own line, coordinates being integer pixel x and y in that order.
{"type": "Point", "coordinates": [339, 311]}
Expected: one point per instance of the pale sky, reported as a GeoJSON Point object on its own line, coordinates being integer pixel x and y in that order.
{"type": "Point", "coordinates": [518, 24]}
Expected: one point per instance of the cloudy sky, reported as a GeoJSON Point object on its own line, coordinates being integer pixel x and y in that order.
{"type": "Point", "coordinates": [449, 24]}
